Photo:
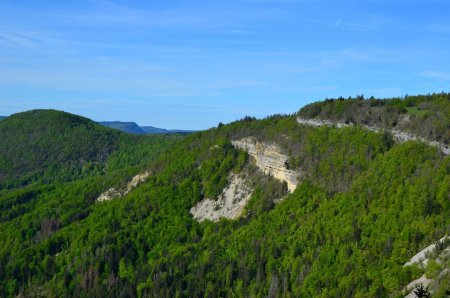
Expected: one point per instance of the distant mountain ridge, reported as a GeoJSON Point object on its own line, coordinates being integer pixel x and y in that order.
{"type": "Point", "coordinates": [129, 127]}
{"type": "Point", "coordinates": [132, 127]}
{"type": "Point", "coordinates": [2, 117]}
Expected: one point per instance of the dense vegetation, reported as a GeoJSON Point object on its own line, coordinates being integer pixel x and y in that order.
{"type": "Point", "coordinates": [43, 146]}
{"type": "Point", "coordinates": [364, 208]}
{"type": "Point", "coordinates": [425, 115]}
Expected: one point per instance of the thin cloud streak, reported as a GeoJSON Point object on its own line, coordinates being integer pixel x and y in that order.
{"type": "Point", "coordinates": [438, 75]}
{"type": "Point", "coordinates": [258, 56]}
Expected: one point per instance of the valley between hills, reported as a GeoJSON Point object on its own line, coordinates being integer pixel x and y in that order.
{"type": "Point", "coordinates": [345, 198]}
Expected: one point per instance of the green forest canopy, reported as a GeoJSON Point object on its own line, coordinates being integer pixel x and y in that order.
{"type": "Point", "coordinates": [366, 206]}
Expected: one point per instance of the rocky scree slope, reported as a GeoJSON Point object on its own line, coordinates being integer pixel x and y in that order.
{"type": "Point", "coordinates": [116, 192]}
{"type": "Point", "coordinates": [230, 203]}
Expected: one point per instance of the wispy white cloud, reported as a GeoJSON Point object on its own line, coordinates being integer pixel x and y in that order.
{"type": "Point", "coordinates": [320, 88]}
{"type": "Point", "coordinates": [275, 1]}
{"type": "Point", "coordinates": [337, 24]}
{"type": "Point", "coordinates": [441, 28]}
{"type": "Point", "coordinates": [384, 54]}
{"type": "Point", "coordinates": [437, 75]}
{"type": "Point", "coordinates": [187, 16]}
{"type": "Point", "coordinates": [239, 51]}
{"type": "Point", "coordinates": [19, 40]}
{"type": "Point", "coordinates": [302, 68]}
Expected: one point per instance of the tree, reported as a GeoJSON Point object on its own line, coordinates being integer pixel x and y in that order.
{"type": "Point", "coordinates": [422, 292]}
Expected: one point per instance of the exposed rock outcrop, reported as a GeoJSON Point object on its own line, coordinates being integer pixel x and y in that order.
{"type": "Point", "coordinates": [439, 252]}
{"type": "Point", "coordinates": [421, 258]}
{"type": "Point", "coordinates": [319, 122]}
{"type": "Point", "coordinates": [270, 160]}
{"type": "Point", "coordinates": [110, 194]}
{"type": "Point", "coordinates": [114, 193]}
{"type": "Point", "coordinates": [423, 280]}
{"type": "Point", "coordinates": [399, 136]}
{"type": "Point", "coordinates": [230, 203]}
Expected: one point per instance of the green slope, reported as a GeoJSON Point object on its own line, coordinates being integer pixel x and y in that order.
{"type": "Point", "coordinates": [364, 208]}
{"type": "Point", "coordinates": [48, 145]}
{"type": "Point", "coordinates": [425, 115]}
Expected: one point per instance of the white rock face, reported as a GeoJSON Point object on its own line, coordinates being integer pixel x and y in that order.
{"type": "Point", "coordinates": [113, 193]}
{"type": "Point", "coordinates": [110, 194]}
{"type": "Point", "coordinates": [399, 136]}
{"type": "Point", "coordinates": [270, 160]}
{"type": "Point", "coordinates": [421, 257]}
{"type": "Point", "coordinates": [318, 122]}
{"type": "Point", "coordinates": [230, 204]}
{"type": "Point", "coordinates": [412, 285]}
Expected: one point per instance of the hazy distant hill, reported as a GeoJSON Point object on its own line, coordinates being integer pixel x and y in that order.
{"type": "Point", "coordinates": [2, 117]}
{"type": "Point", "coordinates": [132, 127]}
{"type": "Point", "coordinates": [129, 127]}
{"type": "Point", "coordinates": [154, 130]}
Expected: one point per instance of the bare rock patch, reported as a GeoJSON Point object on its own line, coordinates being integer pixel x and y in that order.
{"type": "Point", "coordinates": [230, 203]}
{"type": "Point", "coordinates": [270, 159]}
{"type": "Point", "coordinates": [114, 193]}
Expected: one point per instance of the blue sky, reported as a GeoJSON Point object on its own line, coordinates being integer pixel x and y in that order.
{"type": "Point", "coordinates": [192, 64]}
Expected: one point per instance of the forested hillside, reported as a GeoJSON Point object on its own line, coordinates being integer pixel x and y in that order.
{"type": "Point", "coordinates": [43, 146]}
{"type": "Point", "coordinates": [363, 208]}
{"type": "Point", "coordinates": [425, 115]}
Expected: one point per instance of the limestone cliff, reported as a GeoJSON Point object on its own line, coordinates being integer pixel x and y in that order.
{"type": "Point", "coordinates": [230, 203]}
{"type": "Point", "coordinates": [269, 159]}
{"type": "Point", "coordinates": [398, 135]}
